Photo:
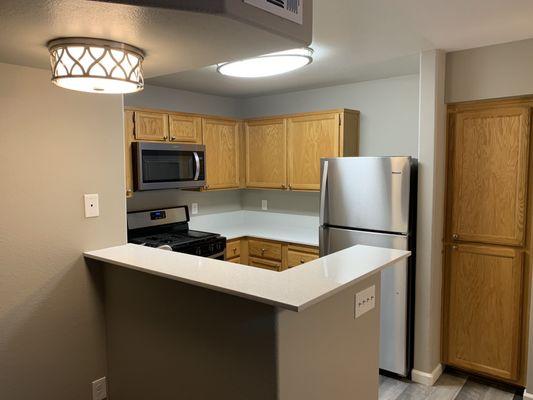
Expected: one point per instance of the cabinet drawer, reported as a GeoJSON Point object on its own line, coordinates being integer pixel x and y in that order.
{"type": "Point", "coordinates": [259, 248]}
{"type": "Point", "coordinates": [295, 258]}
{"type": "Point", "coordinates": [233, 249]}
{"type": "Point", "coordinates": [266, 264]}
{"type": "Point", "coordinates": [236, 260]}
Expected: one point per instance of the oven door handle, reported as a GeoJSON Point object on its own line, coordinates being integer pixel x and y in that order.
{"type": "Point", "coordinates": [197, 160]}
{"type": "Point", "coordinates": [216, 255]}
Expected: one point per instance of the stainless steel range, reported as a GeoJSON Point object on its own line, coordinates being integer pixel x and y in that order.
{"type": "Point", "coordinates": [168, 229]}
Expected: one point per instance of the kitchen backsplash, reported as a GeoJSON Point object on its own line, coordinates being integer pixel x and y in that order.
{"type": "Point", "coordinates": [304, 203]}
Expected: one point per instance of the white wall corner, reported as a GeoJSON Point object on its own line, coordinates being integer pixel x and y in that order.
{"type": "Point", "coordinates": [427, 378]}
{"type": "Point", "coordinates": [527, 395]}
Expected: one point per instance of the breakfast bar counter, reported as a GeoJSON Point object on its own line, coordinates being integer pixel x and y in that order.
{"type": "Point", "coordinates": [182, 326]}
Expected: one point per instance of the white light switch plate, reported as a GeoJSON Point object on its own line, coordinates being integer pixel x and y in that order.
{"type": "Point", "coordinates": [92, 208]}
{"type": "Point", "coordinates": [264, 205]}
{"type": "Point", "coordinates": [100, 389]}
{"type": "Point", "coordinates": [194, 208]}
{"type": "Point", "coordinates": [365, 300]}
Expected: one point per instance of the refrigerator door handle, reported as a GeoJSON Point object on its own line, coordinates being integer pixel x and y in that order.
{"type": "Point", "coordinates": [323, 189]}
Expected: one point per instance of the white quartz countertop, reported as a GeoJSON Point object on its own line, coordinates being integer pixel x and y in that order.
{"type": "Point", "coordinates": [293, 289]}
{"type": "Point", "coordinates": [293, 228]}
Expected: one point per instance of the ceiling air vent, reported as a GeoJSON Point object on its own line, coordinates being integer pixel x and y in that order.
{"type": "Point", "coordinates": [287, 9]}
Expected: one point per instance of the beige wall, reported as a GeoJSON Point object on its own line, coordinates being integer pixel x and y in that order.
{"type": "Point", "coordinates": [502, 70]}
{"type": "Point", "coordinates": [55, 145]}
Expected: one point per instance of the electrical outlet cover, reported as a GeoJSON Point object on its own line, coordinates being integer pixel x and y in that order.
{"type": "Point", "coordinates": [264, 205]}
{"type": "Point", "coordinates": [365, 300]}
{"type": "Point", "coordinates": [194, 208]}
{"type": "Point", "coordinates": [92, 208]}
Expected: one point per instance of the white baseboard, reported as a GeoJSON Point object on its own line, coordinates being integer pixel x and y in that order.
{"type": "Point", "coordinates": [426, 378]}
{"type": "Point", "coordinates": [528, 395]}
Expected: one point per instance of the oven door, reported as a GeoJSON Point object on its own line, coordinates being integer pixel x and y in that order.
{"type": "Point", "coordinates": [168, 166]}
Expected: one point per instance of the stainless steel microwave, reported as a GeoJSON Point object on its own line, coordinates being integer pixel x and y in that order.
{"type": "Point", "coordinates": [168, 165]}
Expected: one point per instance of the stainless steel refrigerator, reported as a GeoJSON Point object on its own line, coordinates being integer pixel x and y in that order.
{"type": "Point", "coordinates": [372, 201]}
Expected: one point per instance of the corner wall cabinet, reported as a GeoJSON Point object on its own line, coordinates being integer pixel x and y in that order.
{"type": "Point", "coordinates": [281, 152]}
{"type": "Point", "coordinates": [487, 238]}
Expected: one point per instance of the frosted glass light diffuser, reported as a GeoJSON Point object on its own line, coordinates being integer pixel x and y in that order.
{"type": "Point", "coordinates": [268, 64]}
{"type": "Point", "coordinates": [96, 65]}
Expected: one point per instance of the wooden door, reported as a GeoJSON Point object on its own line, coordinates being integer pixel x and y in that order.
{"type": "Point", "coordinates": [310, 138]}
{"type": "Point", "coordinates": [488, 175]}
{"type": "Point", "coordinates": [184, 128]}
{"type": "Point", "coordinates": [151, 126]}
{"type": "Point", "coordinates": [266, 154]}
{"type": "Point", "coordinates": [483, 309]}
{"type": "Point", "coordinates": [221, 140]}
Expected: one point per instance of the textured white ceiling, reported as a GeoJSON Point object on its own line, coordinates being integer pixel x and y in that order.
{"type": "Point", "coordinates": [173, 40]}
{"type": "Point", "coordinates": [356, 40]}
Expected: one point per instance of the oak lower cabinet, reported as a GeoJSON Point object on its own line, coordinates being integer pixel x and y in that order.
{"type": "Point", "coordinates": [486, 284]}
{"type": "Point", "coordinates": [269, 254]}
{"type": "Point", "coordinates": [221, 138]}
{"type": "Point", "coordinates": [483, 321]}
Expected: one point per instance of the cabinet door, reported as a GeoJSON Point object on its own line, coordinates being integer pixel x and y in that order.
{"type": "Point", "coordinates": [151, 126]}
{"type": "Point", "coordinates": [483, 295]}
{"type": "Point", "coordinates": [309, 139]}
{"type": "Point", "coordinates": [488, 175]}
{"type": "Point", "coordinates": [265, 264]}
{"type": "Point", "coordinates": [295, 257]}
{"type": "Point", "coordinates": [128, 139]}
{"type": "Point", "coordinates": [266, 154]}
{"type": "Point", "coordinates": [221, 140]}
{"type": "Point", "coordinates": [184, 128]}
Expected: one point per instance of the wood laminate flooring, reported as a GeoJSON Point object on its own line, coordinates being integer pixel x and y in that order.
{"type": "Point", "coordinates": [448, 387]}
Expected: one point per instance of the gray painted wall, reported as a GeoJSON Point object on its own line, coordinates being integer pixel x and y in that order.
{"type": "Point", "coordinates": [389, 126]}
{"type": "Point", "coordinates": [55, 145]}
{"type": "Point", "coordinates": [389, 111]}
{"type": "Point", "coordinates": [184, 101]}
{"type": "Point", "coordinates": [490, 72]}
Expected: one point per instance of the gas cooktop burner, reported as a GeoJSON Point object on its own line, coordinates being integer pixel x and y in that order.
{"type": "Point", "coordinates": [169, 229]}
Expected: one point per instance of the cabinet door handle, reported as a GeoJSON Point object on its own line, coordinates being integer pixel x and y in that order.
{"type": "Point", "coordinates": [302, 261]}
{"type": "Point", "coordinates": [454, 247]}
{"type": "Point", "coordinates": [172, 138]}
{"type": "Point", "coordinates": [165, 137]}
{"type": "Point", "coordinates": [455, 236]}
{"type": "Point", "coordinates": [129, 192]}
{"type": "Point", "coordinates": [234, 249]}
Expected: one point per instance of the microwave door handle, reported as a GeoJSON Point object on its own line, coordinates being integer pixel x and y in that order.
{"type": "Point", "coordinates": [197, 160]}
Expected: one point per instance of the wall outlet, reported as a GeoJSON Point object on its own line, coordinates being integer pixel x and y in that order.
{"type": "Point", "coordinates": [194, 208]}
{"type": "Point", "coordinates": [100, 389]}
{"type": "Point", "coordinates": [264, 205]}
{"type": "Point", "coordinates": [365, 301]}
{"type": "Point", "coordinates": [92, 209]}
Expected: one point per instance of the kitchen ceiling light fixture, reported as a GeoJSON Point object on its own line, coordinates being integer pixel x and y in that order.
{"type": "Point", "coordinates": [268, 64]}
{"type": "Point", "coordinates": [96, 65]}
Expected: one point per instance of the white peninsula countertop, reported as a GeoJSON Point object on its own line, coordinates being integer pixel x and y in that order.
{"type": "Point", "coordinates": [293, 289]}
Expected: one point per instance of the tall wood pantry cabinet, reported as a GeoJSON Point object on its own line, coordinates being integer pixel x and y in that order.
{"type": "Point", "coordinates": [487, 238]}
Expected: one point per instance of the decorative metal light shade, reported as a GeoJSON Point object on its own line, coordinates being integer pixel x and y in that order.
{"type": "Point", "coordinates": [96, 65]}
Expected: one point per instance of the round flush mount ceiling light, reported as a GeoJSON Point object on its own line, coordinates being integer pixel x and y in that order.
{"type": "Point", "coordinates": [96, 65]}
{"type": "Point", "coordinates": [268, 64]}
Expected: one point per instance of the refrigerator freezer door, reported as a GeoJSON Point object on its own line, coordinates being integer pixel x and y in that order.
{"type": "Point", "coordinates": [370, 193]}
{"type": "Point", "coordinates": [393, 342]}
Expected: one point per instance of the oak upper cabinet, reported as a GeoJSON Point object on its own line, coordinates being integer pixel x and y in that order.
{"type": "Point", "coordinates": [129, 137]}
{"type": "Point", "coordinates": [185, 128]}
{"type": "Point", "coordinates": [483, 310]}
{"type": "Point", "coordinates": [221, 138]}
{"type": "Point", "coordinates": [310, 138]}
{"type": "Point", "coordinates": [488, 175]}
{"type": "Point", "coordinates": [151, 126]}
{"type": "Point", "coordinates": [266, 150]}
